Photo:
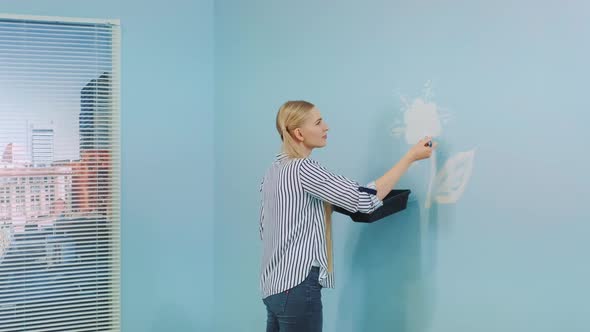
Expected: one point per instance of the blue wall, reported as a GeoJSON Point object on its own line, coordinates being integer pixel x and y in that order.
{"type": "Point", "coordinates": [511, 254]}
{"type": "Point", "coordinates": [167, 156]}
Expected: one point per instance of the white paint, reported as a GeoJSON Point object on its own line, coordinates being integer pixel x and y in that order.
{"type": "Point", "coordinates": [431, 182]}
{"type": "Point", "coordinates": [452, 179]}
{"type": "Point", "coordinates": [421, 119]}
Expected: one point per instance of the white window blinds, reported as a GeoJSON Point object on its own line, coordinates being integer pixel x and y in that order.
{"type": "Point", "coordinates": [59, 174]}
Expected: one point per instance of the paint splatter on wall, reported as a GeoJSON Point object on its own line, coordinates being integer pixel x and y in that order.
{"type": "Point", "coordinates": [423, 117]}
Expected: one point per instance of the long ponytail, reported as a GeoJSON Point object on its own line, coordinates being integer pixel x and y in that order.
{"type": "Point", "coordinates": [290, 116]}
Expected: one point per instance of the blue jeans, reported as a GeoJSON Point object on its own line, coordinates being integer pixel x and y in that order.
{"type": "Point", "coordinates": [298, 309]}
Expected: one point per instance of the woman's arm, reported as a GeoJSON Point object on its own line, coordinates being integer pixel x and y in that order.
{"type": "Point", "coordinates": [336, 189]}
{"type": "Point", "coordinates": [349, 195]}
{"type": "Point", "coordinates": [421, 150]}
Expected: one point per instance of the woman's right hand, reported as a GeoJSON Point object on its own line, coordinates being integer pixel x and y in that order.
{"type": "Point", "coordinates": [421, 150]}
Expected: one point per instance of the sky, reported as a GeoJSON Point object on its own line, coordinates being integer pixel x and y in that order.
{"type": "Point", "coordinates": [43, 67]}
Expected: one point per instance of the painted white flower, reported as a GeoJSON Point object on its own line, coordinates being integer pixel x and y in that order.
{"type": "Point", "coordinates": [421, 119]}
{"type": "Point", "coordinates": [451, 180]}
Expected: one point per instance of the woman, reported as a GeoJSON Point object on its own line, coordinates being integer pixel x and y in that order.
{"type": "Point", "coordinates": [295, 217]}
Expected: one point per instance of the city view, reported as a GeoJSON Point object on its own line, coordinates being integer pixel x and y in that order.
{"type": "Point", "coordinates": [59, 194]}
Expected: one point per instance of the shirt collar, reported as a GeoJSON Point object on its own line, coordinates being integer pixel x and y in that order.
{"type": "Point", "coordinates": [281, 156]}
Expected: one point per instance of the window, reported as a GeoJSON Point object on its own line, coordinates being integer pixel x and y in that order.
{"type": "Point", "coordinates": [59, 174]}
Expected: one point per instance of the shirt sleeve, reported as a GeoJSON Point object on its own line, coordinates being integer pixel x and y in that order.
{"type": "Point", "coordinates": [337, 189]}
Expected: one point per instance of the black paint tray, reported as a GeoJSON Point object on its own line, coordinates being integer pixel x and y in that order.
{"type": "Point", "coordinates": [395, 201]}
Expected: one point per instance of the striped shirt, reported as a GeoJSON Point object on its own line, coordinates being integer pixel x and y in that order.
{"type": "Point", "coordinates": [292, 221]}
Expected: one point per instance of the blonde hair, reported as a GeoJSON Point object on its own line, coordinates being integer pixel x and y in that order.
{"type": "Point", "coordinates": [290, 116]}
